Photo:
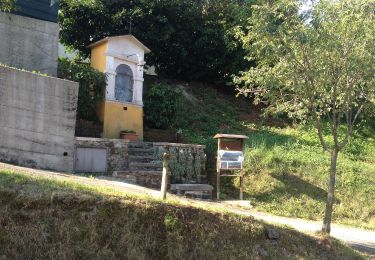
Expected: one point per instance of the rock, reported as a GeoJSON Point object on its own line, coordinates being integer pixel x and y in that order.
{"type": "Point", "coordinates": [261, 251]}
{"type": "Point", "coordinates": [272, 234]}
{"type": "Point", "coordinates": [273, 243]}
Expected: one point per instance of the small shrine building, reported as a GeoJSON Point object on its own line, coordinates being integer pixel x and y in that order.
{"type": "Point", "coordinates": [122, 59]}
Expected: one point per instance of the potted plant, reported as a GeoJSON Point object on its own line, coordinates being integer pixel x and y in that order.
{"type": "Point", "coordinates": [128, 135]}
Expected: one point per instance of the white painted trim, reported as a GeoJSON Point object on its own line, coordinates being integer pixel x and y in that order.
{"type": "Point", "coordinates": [123, 103]}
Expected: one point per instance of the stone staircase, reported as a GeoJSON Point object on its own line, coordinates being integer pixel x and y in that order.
{"type": "Point", "coordinates": [143, 169]}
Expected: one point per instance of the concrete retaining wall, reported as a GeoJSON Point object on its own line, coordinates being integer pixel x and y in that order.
{"type": "Point", "coordinates": [29, 43]}
{"type": "Point", "coordinates": [37, 120]}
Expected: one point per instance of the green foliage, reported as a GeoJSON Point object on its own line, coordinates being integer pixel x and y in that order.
{"type": "Point", "coordinates": [161, 102]}
{"type": "Point", "coordinates": [194, 40]}
{"type": "Point", "coordinates": [7, 5]}
{"type": "Point", "coordinates": [92, 85]}
{"type": "Point", "coordinates": [315, 65]}
{"type": "Point", "coordinates": [206, 113]}
{"type": "Point", "coordinates": [170, 221]}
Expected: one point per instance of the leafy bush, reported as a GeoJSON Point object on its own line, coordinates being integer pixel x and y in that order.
{"type": "Point", "coordinates": [7, 5]}
{"type": "Point", "coordinates": [161, 103]}
{"type": "Point", "coordinates": [92, 85]}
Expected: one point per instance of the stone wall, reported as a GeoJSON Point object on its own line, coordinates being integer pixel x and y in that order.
{"type": "Point", "coordinates": [29, 43]}
{"type": "Point", "coordinates": [187, 161]}
{"type": "Point", "coordinates": [117, 151]}
{"type": "Point", "coordinates": [37, 120]}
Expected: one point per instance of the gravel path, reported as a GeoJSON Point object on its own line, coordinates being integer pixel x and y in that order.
{"type": "Point", "coordinates": [360, 239]}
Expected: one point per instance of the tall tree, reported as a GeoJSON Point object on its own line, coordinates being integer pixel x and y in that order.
{"type": "Point", "coordinates": [189, 39]}
{"type": "Point", "coordinates": [316, 65]}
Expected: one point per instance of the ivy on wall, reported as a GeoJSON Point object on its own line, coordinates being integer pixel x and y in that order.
{"type": "Point", "coordinates": [186, 164]}
{"type": "Point", "coordinates": [92, 84]}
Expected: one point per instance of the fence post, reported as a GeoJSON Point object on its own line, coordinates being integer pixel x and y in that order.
{"type": "Point", "coordinates": [164, 180]}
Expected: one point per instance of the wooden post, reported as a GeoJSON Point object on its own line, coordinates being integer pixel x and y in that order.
{"type": "Point", "coordinates": [241, 173]}
{"type": "Point", "coordinates": [218, 185]}
{"type": "Point", "coordinates": [218, 170]}
{"type": "Point", "coordinates": [164, 180]}
{"type": "Point", "coordinates": [241, 185]}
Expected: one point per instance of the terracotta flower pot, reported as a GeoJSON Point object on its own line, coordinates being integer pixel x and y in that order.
{"type": "Point", "coordinates": [129, 136]}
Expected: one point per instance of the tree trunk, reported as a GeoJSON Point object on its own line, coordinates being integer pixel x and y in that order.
{"type": "Point", "coordinates": [331, 193]}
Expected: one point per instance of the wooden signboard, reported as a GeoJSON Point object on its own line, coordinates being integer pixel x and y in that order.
{"type": "Point", "coordinates": [230, 150]}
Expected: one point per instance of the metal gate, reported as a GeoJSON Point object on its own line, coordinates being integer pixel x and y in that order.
{"type": "Point", "coordinates": [91, 160]}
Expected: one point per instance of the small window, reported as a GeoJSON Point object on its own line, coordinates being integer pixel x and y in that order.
{"type": "Point", "coordinates": [124, 84]}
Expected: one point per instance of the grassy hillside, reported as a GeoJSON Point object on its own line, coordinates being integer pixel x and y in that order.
{"type": "Point", "coordinates": [287, 174]}
{"type": "Point", "coordinates": [44, 219]}
{"type": "Point", "coordinates": [287, 170]}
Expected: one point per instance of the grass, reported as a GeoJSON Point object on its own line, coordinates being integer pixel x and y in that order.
{"type": "Point", "coordinates": [287, 171]}
{"type": "Point", "coordinates": [50, 218]}
{"type": "Point", "coordinates": [287, 174]}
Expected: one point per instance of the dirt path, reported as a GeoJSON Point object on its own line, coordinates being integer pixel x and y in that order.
{"type": "Point", "coordinates": [360, 239]}
{"type": "Point", "coordinates": [363, 240]}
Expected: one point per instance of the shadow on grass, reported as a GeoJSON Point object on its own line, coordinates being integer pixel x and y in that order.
{"type": "Point", "coordinates": [74, 223]}
{"type": "Point", "coordinates": [294, 186]}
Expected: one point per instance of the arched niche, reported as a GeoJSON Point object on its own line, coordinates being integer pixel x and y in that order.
{"type": "Point", "coordinates": [124, 83]}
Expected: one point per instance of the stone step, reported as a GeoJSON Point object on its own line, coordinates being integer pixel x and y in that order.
{"type": "Point", "coordinates": [195, 191]}
{"type": "Point", "coordinates": [141, 158]}
{"type": "Point", "coordinates": [137, 172]}
{"type": "Point", "coordinates": [145, 166]}
{"type": "Point", "coordinates": [156, 164]}
{"type": "Point", "coordinates": [151, 179]}
{"type": "Point", "coordinates": [141, 151]}
{"type": "Point", "coordinates": [191, 187]}
{"type": "Point", "coordinates": [140, 145]}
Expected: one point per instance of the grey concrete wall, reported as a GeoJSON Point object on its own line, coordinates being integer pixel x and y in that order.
{"type": "Point", "coordinates": [29, 43]}
{"type": "Point", "coordinates": [37, 120]}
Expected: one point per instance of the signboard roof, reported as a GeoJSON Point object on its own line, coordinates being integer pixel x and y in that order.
{"type": "Point", "coordinates": [230, 136]}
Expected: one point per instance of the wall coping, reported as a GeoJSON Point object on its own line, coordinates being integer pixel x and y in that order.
{"type": "Point", "coordinates": [179, 145]}
{"type": "Point", "coordinates": [36, 74]}
{"type": "Point", "coordinates": [92, 139]}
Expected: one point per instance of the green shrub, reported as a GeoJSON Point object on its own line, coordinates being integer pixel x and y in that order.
{"type": "Point", "coordinates": [7, 5]}
{"type": "Point", "coordinates": [160, 105]}
{"type": "Point", "coordinates": [92, 85]}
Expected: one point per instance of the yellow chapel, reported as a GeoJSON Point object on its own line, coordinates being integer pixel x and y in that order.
{"type": "Point", "coordinates": [121, 58]}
